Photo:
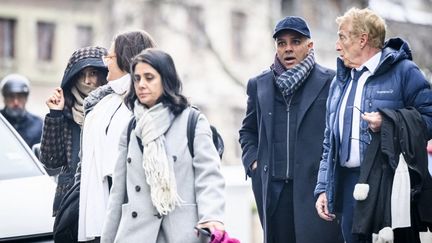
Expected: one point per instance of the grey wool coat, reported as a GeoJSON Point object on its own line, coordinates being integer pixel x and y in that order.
{"type": "Point", "coordinates": [131, 216]}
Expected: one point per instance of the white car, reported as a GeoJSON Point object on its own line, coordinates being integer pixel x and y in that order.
{"type": "Point", "coordinates": [26, 190]}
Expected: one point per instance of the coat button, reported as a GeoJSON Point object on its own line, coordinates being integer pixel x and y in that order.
{"type": "Point", "coordinates": [174, 158]}
{"type": "Point", "coordinates": [265, 168]}
{"type": "Point", "coordinates": [134, 214]}
{"type": "Point", "coordinates": [137, 188]}
{"type": "Point", "coordinates": [129, 160]}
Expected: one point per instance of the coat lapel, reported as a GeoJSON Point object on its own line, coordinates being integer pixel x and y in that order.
{"type": "Point", "coordinates": [266, 100]}
{"type": "Point", "coordinates": [312, 88]}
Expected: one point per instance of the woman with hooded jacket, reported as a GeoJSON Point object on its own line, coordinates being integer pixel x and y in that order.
{"type": "Point", "coordinates": [61, 135]}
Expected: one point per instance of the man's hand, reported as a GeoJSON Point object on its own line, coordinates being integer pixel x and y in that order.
{"type": "Point", "coordinates": [322, 209]}
{"type": "Point", "coordinates": [254, 165]}
{"type": "Point", "coordinates": [374, 119]}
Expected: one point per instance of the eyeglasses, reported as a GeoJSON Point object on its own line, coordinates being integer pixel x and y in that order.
{"type": "Point", "coordinates": [105, 58]}
{"type": "Point", "coordinates": [351, 107]}
{"type": "Point", "coordinates": [362, 130]}
{"type": "Point", "coordinates": [366, 141]}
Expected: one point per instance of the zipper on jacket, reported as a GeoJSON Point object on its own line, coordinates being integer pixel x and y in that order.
{"type": "Point", "coordinates": [288, 133]}
{"type": "Point", "coordinates": [288, 105]}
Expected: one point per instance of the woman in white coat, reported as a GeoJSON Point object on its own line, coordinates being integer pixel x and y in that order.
{"type": "Point", "coordinates": [105, 117]}
{"type": "Point", "coordinates": [160, 193]}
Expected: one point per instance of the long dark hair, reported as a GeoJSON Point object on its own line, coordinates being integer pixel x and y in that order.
{"type": "Point", "coordinates": [129, 44]}
{"type": "Point", "coordinates": [171, 83]}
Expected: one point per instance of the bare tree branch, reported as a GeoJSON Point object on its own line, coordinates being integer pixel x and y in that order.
{"type": "Point", "coordinates": [202, 31]}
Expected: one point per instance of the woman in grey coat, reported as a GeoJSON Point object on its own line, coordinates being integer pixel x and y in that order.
{"type": "Point", "coordinates": [159, 192]}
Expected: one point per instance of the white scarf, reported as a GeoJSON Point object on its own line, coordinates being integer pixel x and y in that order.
{"type": "Point", "coordinates": [99, 152]}
{"type": "Point", "coordinates": [151, 126]}
{"type": "Point", "coordinates": [401, 196]}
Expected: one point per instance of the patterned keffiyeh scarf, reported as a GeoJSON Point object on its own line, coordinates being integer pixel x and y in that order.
{"type": "Point", "coordinates": [80, 91]}
{"type": "Point", "coordinates": [290, 80]}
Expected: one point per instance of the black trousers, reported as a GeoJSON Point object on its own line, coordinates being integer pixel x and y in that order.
{"type": "Point", "coordinates": [349, 178]}
{"type": "Point", "coordinates": [281, 224]}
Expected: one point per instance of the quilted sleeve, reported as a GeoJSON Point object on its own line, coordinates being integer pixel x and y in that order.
{"type": "Point", "coordinates": [53, 151]}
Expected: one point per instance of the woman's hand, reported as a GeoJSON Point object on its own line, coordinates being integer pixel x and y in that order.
{"type": "Point", "coordinates": [212, 226]}
{"type": "Point", "coordinates": [56, 100]}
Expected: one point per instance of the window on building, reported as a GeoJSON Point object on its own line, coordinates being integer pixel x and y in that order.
{"type": "Point", "coordinates": [238, 23]}
{"type": "Point", "coordinates": [7, 38]}
{"type": "Point", "coordinates": [45, 40]}
{"type": "Point", "coordinates": [197, 33]}
{"type": "Point", "coordinates": [84, 36]}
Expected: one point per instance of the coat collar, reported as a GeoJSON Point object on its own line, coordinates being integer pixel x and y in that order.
{"type": "Point", "coordinates": [311, 89]}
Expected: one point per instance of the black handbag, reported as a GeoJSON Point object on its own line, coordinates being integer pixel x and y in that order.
{"type": "Point", "coordinates": [66, 222]}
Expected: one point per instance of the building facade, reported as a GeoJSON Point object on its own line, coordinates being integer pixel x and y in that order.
{"type": "Point", "coordinates": [38, 37]}
{"type": "Point", "coordinates": [216, 45]}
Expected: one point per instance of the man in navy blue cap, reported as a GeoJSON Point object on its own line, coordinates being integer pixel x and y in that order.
{"type": "Point", "coordinates": [281, 138]}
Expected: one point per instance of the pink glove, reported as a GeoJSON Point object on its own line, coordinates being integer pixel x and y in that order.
{"type": "Point", "coordinates": [222, 237]}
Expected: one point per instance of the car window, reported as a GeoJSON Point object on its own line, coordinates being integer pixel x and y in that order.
{"type": "Point", "coordinates": [15, 161]}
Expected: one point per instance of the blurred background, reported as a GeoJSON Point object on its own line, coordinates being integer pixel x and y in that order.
{"type": "Point", "coordinates": [217, 46]}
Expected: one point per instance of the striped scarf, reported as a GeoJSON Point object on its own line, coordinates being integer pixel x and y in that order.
{"type": "Point", "coordinates": [292, 79]}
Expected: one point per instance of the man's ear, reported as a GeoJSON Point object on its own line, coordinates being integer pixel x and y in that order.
{"type": "Point", "coordinates": [310, 45]}
{"type": "Point", "coordinates": [364, 39]}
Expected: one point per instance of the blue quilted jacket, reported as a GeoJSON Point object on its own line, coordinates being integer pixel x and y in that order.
{"type": "Point", "coordinates": [397, 83]}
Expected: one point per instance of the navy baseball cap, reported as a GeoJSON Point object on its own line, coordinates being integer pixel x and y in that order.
{"type": "Point", "coordinates": [292, 23]}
